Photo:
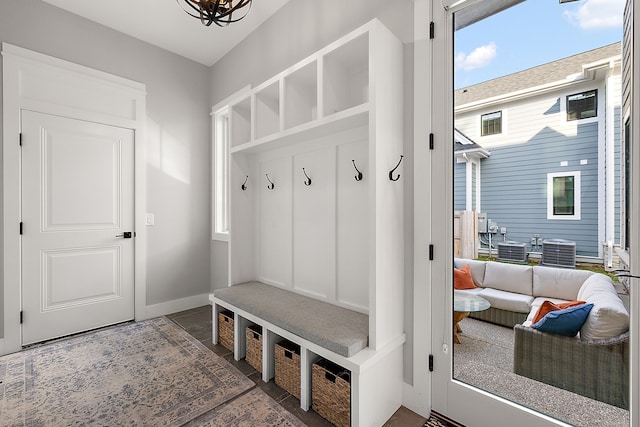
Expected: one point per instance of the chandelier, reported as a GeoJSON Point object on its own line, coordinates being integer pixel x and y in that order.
{"type": "Point", "coordinates": [219, 12]}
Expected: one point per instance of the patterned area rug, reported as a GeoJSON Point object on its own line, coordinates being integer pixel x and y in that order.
{"type": "Point", "coordinates": [149, 373]}
{"type": "Point", "coordinates": [249, 410]}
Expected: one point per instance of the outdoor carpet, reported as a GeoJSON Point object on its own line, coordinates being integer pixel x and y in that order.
{"type": "Point", "coordinates": [149, 373]}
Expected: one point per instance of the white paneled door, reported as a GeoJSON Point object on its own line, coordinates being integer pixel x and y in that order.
{"type": "Point", "coordinates": [77, 226]}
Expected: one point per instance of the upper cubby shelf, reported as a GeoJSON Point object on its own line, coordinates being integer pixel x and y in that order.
{"type": "Point", "coordinates": [326, 92]}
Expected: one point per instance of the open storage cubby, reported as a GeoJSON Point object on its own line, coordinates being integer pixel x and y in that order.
{"type": "Point", "coordinates": [301, 95]}
{"type": "Point", "coordinates": [268, 110]}
{"type": "Point", "coordinates": [241, 122]}
{"type": "Point", "coordinates": [346, 75]}
{"type": "Point", "coordinates": [337, 238]}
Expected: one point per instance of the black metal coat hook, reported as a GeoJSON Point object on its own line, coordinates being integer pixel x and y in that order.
{"type": "Point", "coordinates": [307, 181]}
{"type": "Point", "coordinates": [393, 170]}
{"type": "Point", "coordinates": [244, 185]}
{"type": "Point", "coordinates": [271, 185]}
{"type": "Point", "coordinates": [358, 177]}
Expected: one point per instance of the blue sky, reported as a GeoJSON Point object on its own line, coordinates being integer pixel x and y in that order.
{"type": "Point", "coordinates": [532, 33]}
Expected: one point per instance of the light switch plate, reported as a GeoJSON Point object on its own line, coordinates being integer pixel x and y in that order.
{"type": "Point", "coordinates": [150, 219]}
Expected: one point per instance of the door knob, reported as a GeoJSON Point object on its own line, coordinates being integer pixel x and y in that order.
{"type": "Point", "coordinates": [126, 235]}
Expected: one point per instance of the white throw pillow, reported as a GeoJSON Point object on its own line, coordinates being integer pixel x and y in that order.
{"type": "Point", "coordinates": [608, 317]}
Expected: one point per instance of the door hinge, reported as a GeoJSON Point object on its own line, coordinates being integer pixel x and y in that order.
{"type": "Point", "coordinates": [431, 363]}
{"type": "Point", "coordinates": [21, 317]}
{"type": "Point", "coordinates": [430, 141]}
{"type": "Point", "coordinates": [430, 252]}
{"type": "Point", "coordinates": [432, 30]}
{"type": "Point", "coordinates": [20, 139]}
{"type": "Point", "coordinates": [21, 228]}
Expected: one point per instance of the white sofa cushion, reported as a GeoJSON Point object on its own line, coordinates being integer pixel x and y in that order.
{"type": "Point", "coordinates": [608, 317]}
{"type": "Point", "coordinates": [509, 277]}
{"type": "Point", "coordinates": [477, 269]}
{"type": "Point", "coordinates": [558, 282]}
{"type": "Point", "coordinates": [474, 291]}
{"type": "Point", "coordinates": [509, 301]}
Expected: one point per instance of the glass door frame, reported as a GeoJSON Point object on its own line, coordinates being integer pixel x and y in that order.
{"type": "Point", "coordinates": [459, 401]}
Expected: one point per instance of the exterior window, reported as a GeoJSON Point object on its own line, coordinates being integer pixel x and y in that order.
{"type": "Point", "coordinates": [563, 195]}
{"type": "Point", "coordinates": [221, 174]}
{"type": "Point", "coordinates": [492, 123]}
{"type": "Point", "coordinates": [582, 105]}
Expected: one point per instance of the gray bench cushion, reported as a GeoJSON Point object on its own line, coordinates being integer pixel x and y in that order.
{"type": "Point", "coordinates": [338, 329]}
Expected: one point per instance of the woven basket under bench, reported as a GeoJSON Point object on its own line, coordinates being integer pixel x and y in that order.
{"type": "Point", "coordinates": [331, 392]}
{"type": "Point", "coordinates": [254, 347]}
{"type": "Point", "coordinates": [287, 375]}
{"type": "Point", "coordinates": [225, 329]}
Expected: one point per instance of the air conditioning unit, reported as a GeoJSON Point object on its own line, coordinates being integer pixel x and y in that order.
{"type": "Point", "coordinates": [559, 253]}
{"type": "Point", "coordinates": [512, 251]}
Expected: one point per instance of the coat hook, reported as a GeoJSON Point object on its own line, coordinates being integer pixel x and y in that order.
{"type": "Point", "coordinates": [244, 185]}
{"type": "Point", "coordinates": [271, 185]}
{"type": "Point", "coordinates": [393, 170]}
{"type": "Point", "coordinates": [307, 181]}
{"type": "Point", "coordinates": [358, 177]}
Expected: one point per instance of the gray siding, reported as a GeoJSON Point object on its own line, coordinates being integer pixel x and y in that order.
{"type": "Point", "coordinates": [514, 186]}
{"type": "Point", "coordinates": [459, 186]}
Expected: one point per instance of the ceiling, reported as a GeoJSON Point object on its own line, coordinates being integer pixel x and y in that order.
{"type": "Point", "coordinates": [163, 23]}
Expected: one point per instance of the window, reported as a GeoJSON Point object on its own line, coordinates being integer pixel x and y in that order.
{"type": "Point", "coordinates": [563, 195]}
{"type": "Point", "coordinates": [491, 123]}
{"type": "Point", "coordinates": [221, 174]}
{"type": "Point", "coordinates": [582, 105]}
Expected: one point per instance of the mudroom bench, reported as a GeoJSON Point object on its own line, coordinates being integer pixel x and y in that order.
{"type": "Point", "coordinates": [322, 330]}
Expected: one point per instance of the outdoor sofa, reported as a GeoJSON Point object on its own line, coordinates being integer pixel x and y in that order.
{"type": "Point", "coordinates": [595, 362]}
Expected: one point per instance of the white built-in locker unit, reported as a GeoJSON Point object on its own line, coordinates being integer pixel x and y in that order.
{"type": "Point", "coordinates": [304, 221]}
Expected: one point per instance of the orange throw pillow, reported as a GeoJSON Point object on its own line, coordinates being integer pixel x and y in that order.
{"type": "Point", "coordinates": [462, 278]}
{"type": "Point", "coordinates": [547, 307]}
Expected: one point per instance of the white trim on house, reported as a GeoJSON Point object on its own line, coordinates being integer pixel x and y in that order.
{"type": "Point", "coordinates": [610, 141]}
{"type": "Point", "coordinates": [587, 74]}
{"type": "Point", "coordinates": [63, 88]}
{"type": "Point", "coordinates": [577, 199]}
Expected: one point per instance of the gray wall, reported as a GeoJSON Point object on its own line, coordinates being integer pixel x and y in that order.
{"type": "Point", "coordinates": [299, 29]}
{"type": "Point", "coordinates": [178, 170]}
{"type": "Point", "coordinates": [514, 188]}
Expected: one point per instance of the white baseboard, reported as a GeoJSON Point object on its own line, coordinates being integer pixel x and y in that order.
{"type": "Point", "coordinates": [177, 305]}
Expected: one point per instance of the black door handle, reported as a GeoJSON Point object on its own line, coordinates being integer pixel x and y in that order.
{"type": "Point", "coordinates": [126, 235]}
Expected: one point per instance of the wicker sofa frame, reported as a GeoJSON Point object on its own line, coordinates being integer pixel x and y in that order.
{"type": "Point", "coordinates": [500, 317]}
{"type": "Point", "coordinates": [595, 369]}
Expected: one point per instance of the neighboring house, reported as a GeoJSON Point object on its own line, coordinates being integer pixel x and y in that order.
{"type": "Point", "coordinates": [539, 151]}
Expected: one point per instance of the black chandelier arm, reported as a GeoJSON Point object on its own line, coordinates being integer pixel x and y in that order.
{"type": "Point", "coordinates": [219, 12]}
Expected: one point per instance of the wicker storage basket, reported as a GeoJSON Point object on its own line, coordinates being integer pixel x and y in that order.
{"type": "Point", "coordinates": [225, 329]}
{"type": "Point", "coordinates": [254, 347]}
{"type": "Point", "coordinates": [288, 367]}
{"type": "Point", "coordinates": [331, 392]}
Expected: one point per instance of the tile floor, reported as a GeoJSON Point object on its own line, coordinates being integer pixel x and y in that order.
{"type": "Point", "coordinates": [198, 323]}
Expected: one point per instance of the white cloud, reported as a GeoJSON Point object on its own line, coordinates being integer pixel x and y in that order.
{"type": "Point", "coordinates": [596, 14]}
{"type": "Point", "coordinates": [480, 57]}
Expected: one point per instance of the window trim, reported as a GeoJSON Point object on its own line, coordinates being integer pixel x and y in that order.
{"type": "Point", "coordinates": [576, 196]}
{"type": "Point", "coordinates": [220, 171]}
{"type": "Point", "coordinates": [220, 174]}
{"type": "Point", "coordinates": [565, 107]}
{"type": "Point", "coordinates": [501, 124]}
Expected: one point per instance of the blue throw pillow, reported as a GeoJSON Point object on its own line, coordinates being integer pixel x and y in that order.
{"type": "Point", "coordinates": [565, 322]}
